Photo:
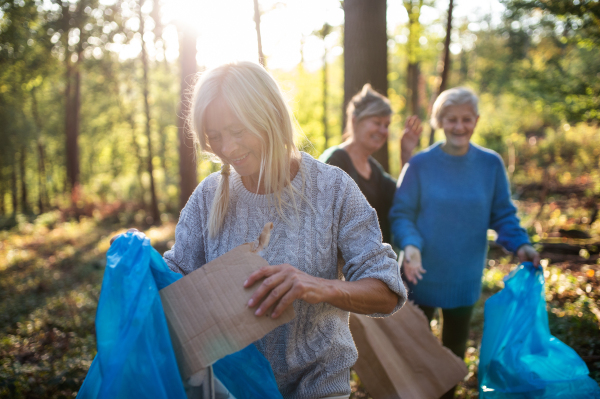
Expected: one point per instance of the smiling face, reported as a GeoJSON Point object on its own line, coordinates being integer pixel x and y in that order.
{"type": "Point", "coordinates": [372, 132]}
{"type": "Point", "coordinates": [458, 122]}
{"type": "Point", "coordinates": [231, 140]}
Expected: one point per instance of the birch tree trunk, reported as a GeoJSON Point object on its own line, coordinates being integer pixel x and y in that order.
{"type": "Point", "coordinates": [153, 201]}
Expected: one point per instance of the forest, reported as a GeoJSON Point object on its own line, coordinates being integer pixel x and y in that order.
{"type": "Point", "coordinates": [94, 100]}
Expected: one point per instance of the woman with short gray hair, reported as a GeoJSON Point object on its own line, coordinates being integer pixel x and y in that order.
{"type": "Point", "coordinates": [456, 96]}
{"type": "Point", "coordinates": [448, 196]}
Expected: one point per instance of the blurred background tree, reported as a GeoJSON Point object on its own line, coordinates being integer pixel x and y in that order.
{"type": "Point", "coordinates": [94, 95]}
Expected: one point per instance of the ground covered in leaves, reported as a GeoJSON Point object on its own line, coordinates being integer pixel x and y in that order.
{"type": "Point", "coordinates": [51, 271]}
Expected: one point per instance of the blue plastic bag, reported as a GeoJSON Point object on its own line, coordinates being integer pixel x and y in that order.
{"type": "Point", "coordinates": [135, 357]}
{"type": "Point", "coordinates": [519, 358]}
{"type": "Point", "coordinates": [247, 375]}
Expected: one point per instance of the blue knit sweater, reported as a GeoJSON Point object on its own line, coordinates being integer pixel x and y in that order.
{"type": "Point", "coordinates": [444, 206]}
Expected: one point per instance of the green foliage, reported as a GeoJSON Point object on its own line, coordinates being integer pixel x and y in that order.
{"type": "Point", "coordinates": [545, 54]}
{"type": "Point", "coordinates": [304, 91]}
{"type": "Point", "coordinates": [568, 155]}
{"type": "Point", "coordinates": [535, 73]}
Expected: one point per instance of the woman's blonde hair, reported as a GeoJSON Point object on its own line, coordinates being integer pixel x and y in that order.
{"type": "Point", "coordinates": [455, 96]}
{"type": "Point", "coordinates": [256, 100]}
{"type": "Point", "coordinates": [364, 104]}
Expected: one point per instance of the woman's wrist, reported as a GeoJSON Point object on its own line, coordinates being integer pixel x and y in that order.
{"type": "Point", "coordinates": [366, 296]}
{"type": "Point", "coordinates": [405, 156]}
{"type": "Point", "coordinates": [333, 292]}
{"type": "Point", "coordinates": [522, 246]}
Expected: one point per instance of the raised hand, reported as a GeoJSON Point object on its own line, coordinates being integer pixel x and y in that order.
{"type": "Point", "coordinates": [410, 138]}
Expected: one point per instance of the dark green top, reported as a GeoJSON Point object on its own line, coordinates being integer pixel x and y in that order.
{"type": "Point", "coordinates": [378, 189]}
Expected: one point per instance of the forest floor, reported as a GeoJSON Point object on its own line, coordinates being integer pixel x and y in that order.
{"type": "Point", "coordinates": [51, 272]}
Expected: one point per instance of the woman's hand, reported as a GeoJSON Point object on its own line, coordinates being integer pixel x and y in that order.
{"type": "Point", "coordinates": [283, 284]}
{"type": "Point", "coordinates": [410, 138]}
{"type": "Point", "coordinates": [526, 253]}
{"type": "Point", "coordinates": [413, 269]}
{"type": "Point", "coordinates": [119, 235]}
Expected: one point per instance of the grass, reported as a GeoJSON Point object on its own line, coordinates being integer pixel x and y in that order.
{"type": "Point", "coordinates": [50, 277]}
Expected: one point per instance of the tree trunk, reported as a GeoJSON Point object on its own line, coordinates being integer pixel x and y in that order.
{"type": "Point", "coordinates": [13, 186]}
{"type": "Point", "coordinates": [72, 93]}
{"type": "Point", "coordinates": [138, 153]}
{"type": "Point", "coordinates": [261, 56]}
{"type": "Point", "coordinates": [24, 204]}
{"type": "Point", "coordinates": [68, 119]}
{"type": "Point", "coordinates": [154, 201]}
{"type": "Point", "coordinates": [446, 64]}
{"type": "Point", "coordinates": [187, 161]}
{"type": "Point", "coordinates": [365, 53]}
{"type": "Point", "coordinates": [413, 76]}
{"type": "Point", "coordinates": [413, 72]}
{"type": "Point", "coordinates": [43, 193]}
{"type": "Point", "coordinates": [72, 126]}
{"type": "Point", "coordinates": [2, 203]}
{"type": "Point", "coordinates": [446, 69]}
{"type": "Point", "coordinates": [464, 66]}
{"type": "Point", "coordinates": [42, 189]}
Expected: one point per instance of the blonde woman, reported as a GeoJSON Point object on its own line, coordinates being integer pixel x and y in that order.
{"type": "Point", "coordinates": [241, 119]}
{"type": "Point", "coordinates": [369, 115]}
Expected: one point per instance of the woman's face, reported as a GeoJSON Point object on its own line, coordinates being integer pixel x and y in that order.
{"type": "Point", "coordinates": [232, 141]}
{"type": "Point", "coordinates": [372, 132]}
{"type": "Point", "coordinates": [459, 122]}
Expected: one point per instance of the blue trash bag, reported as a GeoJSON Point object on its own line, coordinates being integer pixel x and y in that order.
{"type": "Point", "coordinates": [519, 358]}
{"type": "Point", "coordinates": [247, 375]}
{"type": "Point", "coordinates": [135, 357]}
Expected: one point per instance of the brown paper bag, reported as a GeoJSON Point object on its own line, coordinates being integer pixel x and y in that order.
{"type": "Point", "coordinates": [399, 357]}
{"type": "Point", "coordinates": [206, 310]}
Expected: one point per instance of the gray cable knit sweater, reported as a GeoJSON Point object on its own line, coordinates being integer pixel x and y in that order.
{"type": "Point", "coordinates": [312, 354]}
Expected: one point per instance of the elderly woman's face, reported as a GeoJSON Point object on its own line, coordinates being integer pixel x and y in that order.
{"type": "Point", "coordinates": [459, 122]}
{"type": "Point", "coordinates": [372, 132]}
{"type": "Point", "coordinates": [231, 141]}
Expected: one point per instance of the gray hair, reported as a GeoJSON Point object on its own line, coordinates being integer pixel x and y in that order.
{"type": "Point", "coordinates": [367, 103]}
{"type": "Point", "coordinates": [455, 96]}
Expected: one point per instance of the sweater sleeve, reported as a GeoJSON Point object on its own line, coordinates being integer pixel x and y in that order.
{"type": "Point", "coordinates": [359, 240]}
{"type": "Point", "coordinates": [405, 208]}
{"type": "Point", "coordinates": [187, 254]}
{"type": "Point", "coordinates": [504, 218]}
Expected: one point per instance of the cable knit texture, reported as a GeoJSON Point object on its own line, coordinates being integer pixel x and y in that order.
{"type": "Point", "coordinates": [312, 354]}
